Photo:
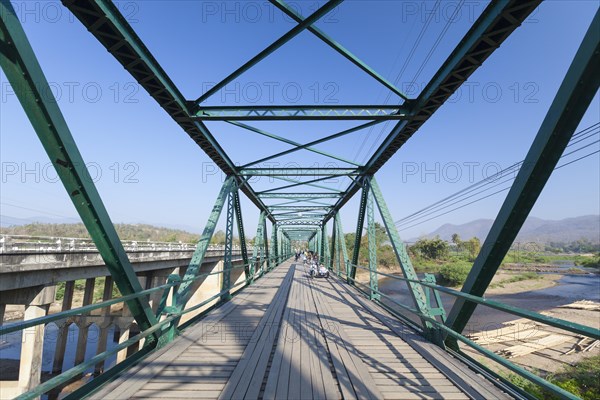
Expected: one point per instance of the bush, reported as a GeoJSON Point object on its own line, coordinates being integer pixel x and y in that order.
{"type": "Point", "coordinates": [431, 249]}
{"type": "Point", "coordinates": [454, 275]}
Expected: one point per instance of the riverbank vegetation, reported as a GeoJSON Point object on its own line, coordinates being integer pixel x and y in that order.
{"type": "Point", "coordinates": [582, 379]}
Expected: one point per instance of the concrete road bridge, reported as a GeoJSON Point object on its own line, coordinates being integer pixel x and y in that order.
{"type": "Point", "coordinates": [250, 323]}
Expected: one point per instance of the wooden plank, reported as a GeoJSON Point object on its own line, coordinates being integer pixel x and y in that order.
{"type": "Point", "coordinates": [240, 379]}
{"type": "Point", "coordinates": [531, 347]}
{"type": "Point", "coordinates": [457, 372]}
{"type": "Point", "coordinates": [178, 394]}
{"type": "Point", "coordinates": [295, 368]}
{"type": "Point", "coordinates": [269, 340]}
{"type": "Point", "coordinates": [307, 375]}
{"type": "Point", "coordinates": [361, 381]}
{"type": "Point", "coordinates": [132, 381]}
{"type": "Point", "coordinates": [184, 386]}
{"type": "Point", "coordinates": [324, 384]}
{"type": "Point", "coordinates": [276, 363]}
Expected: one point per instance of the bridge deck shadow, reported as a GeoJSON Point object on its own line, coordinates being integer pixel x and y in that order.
{"type": "Point", "coordinates": [291, 336]}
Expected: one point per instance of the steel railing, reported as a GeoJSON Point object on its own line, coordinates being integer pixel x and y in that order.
{"type": "Point", "coordinates": [162, 326]}
{"type": "Point", "coordinates": [530, 315]}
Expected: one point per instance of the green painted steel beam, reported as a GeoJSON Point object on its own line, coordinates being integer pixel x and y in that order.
{"type": "Point", "coordinates": [314, 17]}
{"type": "Point", "coordinates": [293, 214]}
{"type": "Point", "coordinates": [490, 30]}
{"type": "Point", "coordinates": [265, 246]}
{"type": "Point", "coordinates": [291, 142]}
{"type": "Point", "coordinates": [344, 250]}
{"type": "Point", "coordinates": [373, 281]}
{"type": "Point", "coordinates": [312, 185]}
{"type": "Point", "coordinates": [227, 257]}
{"type": "Point", "coordinates": [290, 12]}
{"type": "Point", "coordinates": [184, 292]}
{"type": "Point", "coordinates": [309, 182]}
{"type": "Point", "coordinates": [103, 19]}
{"type": "Point", "coordinates": [298, 195]}
{"type": "Point", "coordinates": [27, 79]}
{"type": "Point", "coordinates": [299, 222]}
{"type": "Point", "coordinates": [301, 208]}
{"type": "Point", "coordinates": [301, 202]}
{"type": "Point", "coordinates": [241, 232]}
{"type": "Point", "coordinates": [564, 115]}
{"type": "Point", "coordinates": [257, 253]}
{"type": "Point", "coordinates": [299, 171]}
{"type": "Point", "coordinates": [274, 248]}
{"type": "Point", "coordinates": [314, 142]}
{"type": "Point", "coordinates": [303, 113]}
{"type": "Point", "coordinates": [334, 246]}
{"type": "Point", "coordinates": [416, 291]}
{"type": "Point", "coordinates": [360, 222]}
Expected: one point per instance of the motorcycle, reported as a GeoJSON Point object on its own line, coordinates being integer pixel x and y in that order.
{"type": "Point", "coordinates": [318, 272]}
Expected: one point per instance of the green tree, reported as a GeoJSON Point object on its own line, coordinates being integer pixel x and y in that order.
{"type": "Point", "coordinates": [456, 239]}
{"type": "Point", "coordinates": [473, 246]}
{"type": "Point", "coordinates": [431, 249]}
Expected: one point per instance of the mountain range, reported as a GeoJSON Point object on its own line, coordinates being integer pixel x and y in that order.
{"type": "Point", "coordinates": [538, 230]}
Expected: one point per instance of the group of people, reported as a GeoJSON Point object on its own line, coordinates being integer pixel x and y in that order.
{"type": "Point", "coordinates": [311, 258]}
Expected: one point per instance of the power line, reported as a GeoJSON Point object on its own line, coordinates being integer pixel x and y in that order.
{"type": "Point", "coordinates": [440, 205]}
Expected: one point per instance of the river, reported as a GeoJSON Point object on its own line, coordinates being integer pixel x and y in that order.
{"type": "Point", "coordinates": [570, 288]}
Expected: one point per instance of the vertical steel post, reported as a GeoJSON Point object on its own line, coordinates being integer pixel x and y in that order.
{"type": "Point", "coordinates": [334, 246]}
{"type": "Point", "coordinates": [241, 233]}
{"type": "Point", "coordinates": [274, 249]}
{"type": "Point", "coordinates": [257, 255]}
{"type": "Point", "coordinates": [27, 79]}
{"type": "Point", "coordinates": [572, 100]}
{"type": "Point", "coordinates": [359, 228]}
{"type": "Point", "coordinates": [338, 222]}
{"type": "Point", "coordinates": [372, 248]}
{"type": "Point", "coordinates": [265, 248]}
{"type": "Point", "coordinates": [416, 291]}
{"type": "Point", "coordinates": [227, 258]}
{"type": "Point", "coordinates": [327, 254]}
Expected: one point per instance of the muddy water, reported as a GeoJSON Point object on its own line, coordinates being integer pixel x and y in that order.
{"type": "Point", "coordinates": [570, 288]}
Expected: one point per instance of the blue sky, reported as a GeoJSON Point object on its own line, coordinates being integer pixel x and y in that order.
{"type": "Point", "coordinates": [148, 170]}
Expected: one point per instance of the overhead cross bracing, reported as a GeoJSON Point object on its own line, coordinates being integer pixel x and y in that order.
{"type": "Point", "coordinates": [487, 33]}
{"type": "Point", "coordinates": [301, 200]}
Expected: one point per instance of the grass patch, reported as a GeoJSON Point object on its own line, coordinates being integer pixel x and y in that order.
{"type": "Point", "coordinates": [517, 278]}
{"type": "Point", "coordinates": [583, 380]}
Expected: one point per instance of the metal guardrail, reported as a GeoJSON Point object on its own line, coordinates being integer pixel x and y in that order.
{"type": "Point", "coordinates": [170, 315]}
{"type": "Point", "coordinates": [531, 315]}
{"type": "Point", "coordinates": [11, 244]}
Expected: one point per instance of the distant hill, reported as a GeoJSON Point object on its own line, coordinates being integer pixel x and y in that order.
{"type": "Point", "coordinates": [534, 230]}
{"type": "Point", "coordinates": [140, 232]}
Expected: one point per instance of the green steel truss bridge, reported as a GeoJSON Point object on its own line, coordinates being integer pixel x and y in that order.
{"type": "Point", "coordinates": [357, 344]}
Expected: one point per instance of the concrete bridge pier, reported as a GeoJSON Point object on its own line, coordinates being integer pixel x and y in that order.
{"type": "Point", "coordinates": [37, 301]}
{"type": "Point", "coordinates": [84, 323]}
{"type": "Point", "coordinates": [63, 329]}
{"type": "Point", "coordinates": [104, 323]}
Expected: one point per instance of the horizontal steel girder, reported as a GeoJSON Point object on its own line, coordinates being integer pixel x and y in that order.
{"type": "Point", "coordinates": [107, 24]}
{"type": "Point", "coordinates": [299, 208]}
{"type": "Point", "coordinates": [490, 30]}
{"type": "Point", "coordinates": [299, 222]}
{"type": "Point", "coordinates": [23, 71]}
{"type": "Point", "coordinates": [572, 100]}
{"type": "Point", "coordinates": [298, 171]}
{"type": "Point", "coordinates": [309, 112]}
{"type": "Point", "coordinates": [298, 196]}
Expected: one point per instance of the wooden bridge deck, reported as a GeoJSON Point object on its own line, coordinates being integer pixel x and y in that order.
{"type": "Point", "coordinates": [292, 337]}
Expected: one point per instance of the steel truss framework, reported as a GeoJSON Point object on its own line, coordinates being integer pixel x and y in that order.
{"type": "Point", "coordinates": [303, 206]}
